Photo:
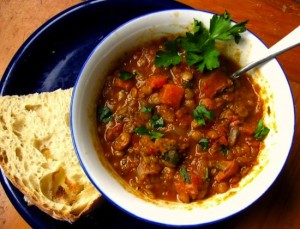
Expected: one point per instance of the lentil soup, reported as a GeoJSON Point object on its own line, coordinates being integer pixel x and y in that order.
{"type": "Point", "coordinates": [175, 133]}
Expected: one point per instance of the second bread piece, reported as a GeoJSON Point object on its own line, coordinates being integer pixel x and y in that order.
{"type": "Point", "coordinates": [37, 155]}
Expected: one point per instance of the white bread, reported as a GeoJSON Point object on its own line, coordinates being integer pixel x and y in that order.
{"type": "Point", "coordinates": [37, 155]}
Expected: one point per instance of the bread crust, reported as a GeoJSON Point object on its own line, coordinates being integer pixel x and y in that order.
{"type": "Point", "coordinates": [37, 154]}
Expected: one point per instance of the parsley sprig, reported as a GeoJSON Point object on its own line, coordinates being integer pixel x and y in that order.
{"type": "Point", "coordinates": [146, 109]}
{"type": "Point", "coordinates": [156, 121]}
{"type": "Point", "coordinates": [199, 45]}
{"type": "Point", "coordinates": [142, 130]}
{"type": "Point", "coordinates": [204, 142]}
{"type": "Point", "coordinates": [222, 29]}
{"type": "Point", "coordinates": [185, 175]}
{"type": "Point", "coordinates": [261, 130]}
{"type": "Point", "coordinates": [169, 56]}
{"type": "Point", "coordinates": [125, 75]}
{"type": "Point", "coordinates": [201, 114]}
{"type": "Point", "coordinates": [104, 114]}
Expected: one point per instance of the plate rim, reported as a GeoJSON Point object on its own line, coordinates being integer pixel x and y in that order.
{"type": "Point", "coordinates": [8, 187]}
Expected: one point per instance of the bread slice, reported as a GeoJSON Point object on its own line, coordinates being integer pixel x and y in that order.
{"type": "Point", "coordinates": [37, 155]}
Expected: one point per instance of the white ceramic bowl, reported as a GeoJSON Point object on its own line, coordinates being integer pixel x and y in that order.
{"type": "Point", "coordinates": [83, 122]}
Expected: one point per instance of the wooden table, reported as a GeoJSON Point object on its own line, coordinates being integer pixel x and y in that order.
{"type": "Point", "coordinates": [269, 19]}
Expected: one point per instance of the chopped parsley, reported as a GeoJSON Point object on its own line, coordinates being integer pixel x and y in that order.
{"type": "Point", "coordinates": [224, 149]}
{"type": "Point", "coordinates": [185, 175]}
{"type": "Point", "coordinates": [172, 157]}
{"type": "Point", "coordinates": [206, 174]}
{"type": "Point", "coordinates": [199, 45]}
{"type": "Point", "coordinates": [146, 109]}
{"type": "Point", "coordinates": [169, 56]}
{"type": "Point", "coordinates": [221, 28]}
{"type": "Point", "coordinates": [142, 130]}
{"type": "Point", "coordinates": [200, 114]}
{"type": "Point", "coordinates": [104, 114]}
{"type": "Point", "coordinates": [124, 75]}
{"type": "Point", "coordinates": [156, 121]}
{"type": "Point", "coordinates": [154, 135]}
{"type": "Point", "coordinates": [261, 131]}
{"type": "Point", "coordinates": [204, 143]}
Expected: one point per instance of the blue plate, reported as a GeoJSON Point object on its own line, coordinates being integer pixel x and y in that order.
{"type": "Point", "coordinates": [50, 59]}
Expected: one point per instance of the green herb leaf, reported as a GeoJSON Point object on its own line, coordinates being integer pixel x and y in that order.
{"type": "Point", "coordinates": [104, 114]}
{"type": "Point", "coordinates": [142, 130]}
{"type": "Point", "coordinates": [197, 26]}
{"type": "Point", "coordinates": [222, 29]}
{"type": "Point", "coordinates": [206, 173]}
{"type": "Point", "coordinates": [124, 75]}
{"type": "Point", "coordinates": [172, 158]}
{"type": "Point", "coordinates": [156, 121]}
{"type": "Point", "coordinates": [200, 113]}
{"type": "Point", "coordinates": [211, 61]}
{"type": "Point", "coordinates": [185, 175]}
{"type": "Point", "coordinates": [204, 143]}
{"type": "Point", "coordinates": [224, 149]}
{"type": "Point", "coordinates": [200, 49]}
{"type": "Point", "coordinates": [193, 58]}
{"type": "Point", "coordinates": [146, 109]}
{"type": "Point", "coordinates": [195, 42]}
{"type": "Point", "coordinates": [200, 45]}
{"type": "Point", "coordinates": [261, 131]}
{"type": "Point", "coordinates": [169, 56]}
{"type": "Point", "coordinates": [154, 135]}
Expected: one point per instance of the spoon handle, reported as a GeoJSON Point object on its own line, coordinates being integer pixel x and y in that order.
{"type": "Point", "coordinates": [289, 41]}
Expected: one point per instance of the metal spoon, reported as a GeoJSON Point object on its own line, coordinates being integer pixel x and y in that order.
{"type": "Point", "coordinates": [289, 41]}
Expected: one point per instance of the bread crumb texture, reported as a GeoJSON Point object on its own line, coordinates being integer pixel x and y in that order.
{"type": "Point", "coordinates": [37, 155]}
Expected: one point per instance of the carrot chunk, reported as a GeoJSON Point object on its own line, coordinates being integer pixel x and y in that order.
{"type": "Point", "coordinates": [157, 81]}
{"type": "Point", "coordinates": [124, 84]}
{"type": "Point", "coordinates": [171, 95]}
{"type": "Point", "coordinates": [214, 83]}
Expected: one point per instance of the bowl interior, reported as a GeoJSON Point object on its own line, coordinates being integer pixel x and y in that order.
{"type": "Point", "coordinates": [276, 92]}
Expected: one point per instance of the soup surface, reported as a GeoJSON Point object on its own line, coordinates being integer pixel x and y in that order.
{"type": "Point", "coordinates": [175, 133]}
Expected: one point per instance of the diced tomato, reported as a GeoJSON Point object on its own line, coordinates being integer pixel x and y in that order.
{"type": "Point", "coordinates": [222, 132]}
{"type": "Point", "coordinates": [247, 128]}
{"type": "Point", "coordinates": [195, 180]}
{"type": "Point", "coordinates": [223, 140]}
{"type": "Point", "coordinates": [184, 120]}
{"type": "Point", "coordinates": [124, 84]}
{"type": "Point", "coordinates": [171, 95]}
{"type": "Point", "coordinates": [188, 191]}
{"type": "Point", "coordinates": [214, 83]}
{"type": "Point", "coordinates": [157, 81]}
